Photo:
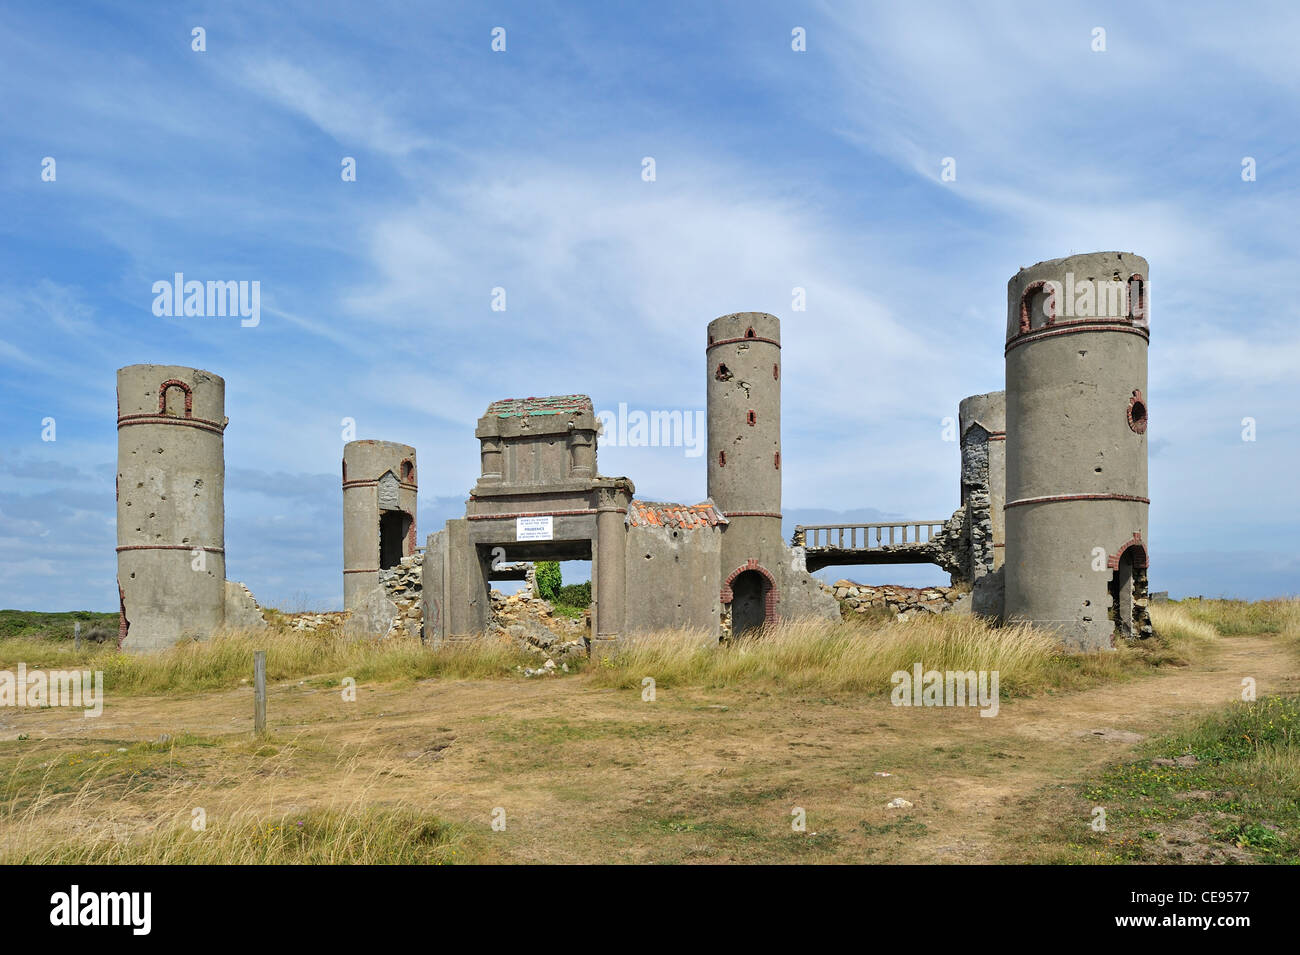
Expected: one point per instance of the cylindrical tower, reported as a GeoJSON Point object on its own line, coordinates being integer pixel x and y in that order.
{"type": "Point", "coordinates": [379, 493]}
{"type": "Point", "coordinates": [744, 414]}
{"type": "Point", "coordinates": [982, 423]}
{"type": "Point", "coordinates": [1076, 484]}
{"type": "Point", "coordinates": [171, 538]}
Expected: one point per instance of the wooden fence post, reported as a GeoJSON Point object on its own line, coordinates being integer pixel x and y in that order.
{"type": "Point", "coordinates": [259, 692]}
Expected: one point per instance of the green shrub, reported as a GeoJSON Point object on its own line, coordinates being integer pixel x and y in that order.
{"type": "Point", "coordinates": [577, 596]}
{"type": "Point", "coordinates": [548, 579]}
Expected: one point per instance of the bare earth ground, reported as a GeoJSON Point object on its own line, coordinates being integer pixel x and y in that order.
{"type": "Point", "coordinates": [597, 775]}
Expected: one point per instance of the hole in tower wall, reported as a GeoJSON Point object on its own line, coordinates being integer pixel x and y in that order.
{"type": "Point", "coordinates": [393, 529]}
{"type": "Point", "coordinates": [723, 373]}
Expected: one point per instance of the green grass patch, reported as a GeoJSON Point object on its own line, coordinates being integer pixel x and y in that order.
{"type": "Point", "coordinates": [1225, 790]}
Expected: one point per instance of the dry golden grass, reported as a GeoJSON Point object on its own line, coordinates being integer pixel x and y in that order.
{"type": "Point", "coordinates": [844, 656]}
{"type": "Point", "coordinates": [105, 821]}
{"type": "Point", "coordinates": [226, 660]}
{"type": "Point", "coordinates": [850, 657]}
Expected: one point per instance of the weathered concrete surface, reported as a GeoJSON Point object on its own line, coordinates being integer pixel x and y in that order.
{"type": "Point", "coordinates": [373, 617]}
{"type": "Point", "coordinates": [242, 611]}
{"type": "Point", "coordinates": [1076, 483]}
{"type": "Point", "coordinates": [743, 393]}
{"type": "Point", "coordinates": [171, 563]}
{"type": "Point", "coordinates": [380, 484]}
{"type": "Point", "coordinates": [672, 567]}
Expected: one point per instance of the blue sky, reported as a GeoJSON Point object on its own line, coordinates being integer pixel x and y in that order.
{"type": "Point", "coordinates": [522, 170]}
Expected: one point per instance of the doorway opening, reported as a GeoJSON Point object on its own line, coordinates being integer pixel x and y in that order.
{"type": "Point", "coordinates": [394, 526]}
{"type": "Point", "coordinates": [748, 603]}
{"type": "Point", "coordinates": [1128, 595]}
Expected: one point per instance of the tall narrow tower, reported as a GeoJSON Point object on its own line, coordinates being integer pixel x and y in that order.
{"type": "Point", "coordinates": [1076, 485]}
{"type": "Point", "coordinates": [379, 493]}
{"type": "Point", "coordinates": [744, 413]}
{"type": "Point", "coordinates": [171, 536]}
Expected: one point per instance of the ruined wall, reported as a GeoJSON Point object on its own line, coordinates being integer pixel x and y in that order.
{"type": "Point", "coordinates": [672, 567]}
{"type": "Point", "coordinates": [171, 562]}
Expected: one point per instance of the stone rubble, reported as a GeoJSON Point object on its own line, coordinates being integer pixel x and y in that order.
{"type": "Point", "coordinates": [904, 602]}
{"type": "Point", "coordinates": [532, 623]}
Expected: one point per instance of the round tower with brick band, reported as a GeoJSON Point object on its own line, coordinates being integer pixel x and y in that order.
{"type": "Point", "coordinates": [1076, 448]}
{"type": "Point", "coordinates": [379, 495]}
{"type": "Point", "coordinates": [171, 559]}
{"type": "Point", "coordinates": [744, 455]}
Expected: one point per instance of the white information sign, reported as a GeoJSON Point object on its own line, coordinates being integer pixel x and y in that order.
{"type": "Point", "coordinates": [534, 528]}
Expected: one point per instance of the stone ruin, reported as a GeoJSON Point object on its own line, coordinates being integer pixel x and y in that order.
{"type": "Point", "coordinates": [1051, 526]}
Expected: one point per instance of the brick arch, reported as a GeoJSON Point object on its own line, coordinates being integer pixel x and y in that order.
{"type": "Point", "coordinates": [770, 599]}
{"type": "Point", "coordinates": [1140, 558]}
{"type": "Point", "coordinates": [1139, 314]}
{"type": "Point", "coordinates": [177, 383]}
{"type": "Point", "coordinates": [1030, 289]}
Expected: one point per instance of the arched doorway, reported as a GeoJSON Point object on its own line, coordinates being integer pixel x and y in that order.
{"type": "Point", "coordinates": [1128, 593]}
{"type": "Point", "coordinates": [748, 602]}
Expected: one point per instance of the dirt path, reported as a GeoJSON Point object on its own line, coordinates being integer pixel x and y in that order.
{"type": "Point", "coordinates": [587, 774]}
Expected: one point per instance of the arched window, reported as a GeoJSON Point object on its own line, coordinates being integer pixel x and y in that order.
{"type": "Point", "coordinates": [175, 399]}
{"type": "Point", "coordinates": [408, 471]}
{"type": "Point", "coordinates": [749, 332]}
{"type": "Point", "coordinates": [1137, 299]}
{"type": "Point", "coordinates": [1038, 299]}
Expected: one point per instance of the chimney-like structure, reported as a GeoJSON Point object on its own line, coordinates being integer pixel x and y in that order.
{"type": "Point", "coordinates": [1076, 485]}
{"type": "Point", "coordinates": [379, 494]}
{"type": "Point", "coordinates": [171, 535]}
{"type": "Point", "coordinates": [744, 455]}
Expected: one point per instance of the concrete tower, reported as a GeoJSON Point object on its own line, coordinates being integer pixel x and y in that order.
{"type": "Point", "coordinates": [982, 423]}
{"type": "Point", "coordinates": [1076, 472]}
{"type": "Point", "coordinates": [379, 491]}
{"type": "Point", "coordinates": [171, 559]}
{"type": "Point", "coordinates": [744, 414]}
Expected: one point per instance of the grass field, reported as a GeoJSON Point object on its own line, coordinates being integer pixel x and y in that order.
{"type": "Point", "coordinates": [452, 756]}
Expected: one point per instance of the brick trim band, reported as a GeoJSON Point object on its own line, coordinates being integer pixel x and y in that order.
{"type": "Point", "coordinates": [997, 436]}
{"type": "Point", "coordinates": [732, 341]}
{"type": "Point", "coordinates": [404, 485]}
{"type": "Point", "coordinates": [361, 570]}
{"type": "Point", "coordinates": [210, 550]}
{"type": "Point", "coordinates": [495, 517]}
{"type": "Point", "coordinates": [1054, 498]}
{"type": "Point", "coordinates": [201, 423]}
{"type": "Point", "coordinates": [1072, 328]}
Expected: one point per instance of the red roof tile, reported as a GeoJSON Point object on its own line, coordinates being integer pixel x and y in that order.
{"type": "Point", "coordinates": [653, 514]}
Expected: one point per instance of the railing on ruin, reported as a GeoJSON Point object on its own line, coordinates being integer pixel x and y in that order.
{"type": "Point", "coordinates": [868, 536]}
